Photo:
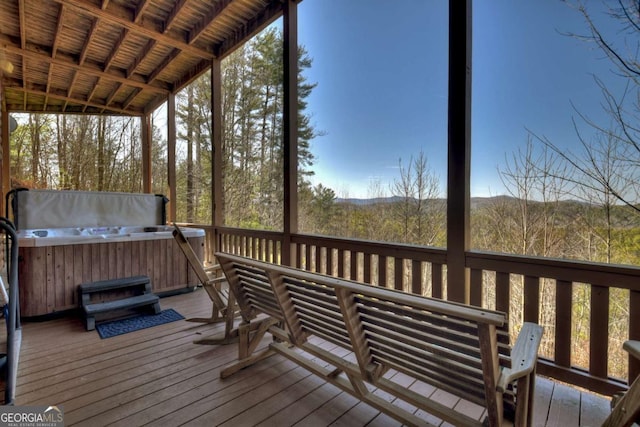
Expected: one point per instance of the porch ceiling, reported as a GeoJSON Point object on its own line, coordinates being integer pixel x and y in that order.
{"type": "Point", "coordinates": [116, 56]}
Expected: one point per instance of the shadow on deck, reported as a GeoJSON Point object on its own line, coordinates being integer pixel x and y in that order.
{"type": "Point", "coordinates": [158, 375]}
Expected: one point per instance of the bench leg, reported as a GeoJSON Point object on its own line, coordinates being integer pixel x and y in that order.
{"type": "Point", "coordinates": [230, 333]}
{"type": "Point", "coordinates": [249, 336]}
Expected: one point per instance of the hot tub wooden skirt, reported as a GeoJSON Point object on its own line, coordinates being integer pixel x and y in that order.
{"type": "Point", "coordinates": [49, 275]}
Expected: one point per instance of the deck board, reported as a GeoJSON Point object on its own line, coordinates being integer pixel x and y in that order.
{"type": "Point", "coordinates": [159, 376]}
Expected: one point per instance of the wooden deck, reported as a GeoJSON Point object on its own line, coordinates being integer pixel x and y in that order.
{"type": "Point", "coordinates": [159, 376]}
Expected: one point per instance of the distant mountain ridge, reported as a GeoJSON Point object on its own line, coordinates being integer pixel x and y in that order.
{"type": "Point", "coordinates": [475, 201]}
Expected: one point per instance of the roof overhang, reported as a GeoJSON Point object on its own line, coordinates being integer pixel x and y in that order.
{"type": "Point", "coordinates": [121, 57]}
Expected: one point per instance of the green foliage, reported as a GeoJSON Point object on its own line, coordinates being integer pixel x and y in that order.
{"type": "Point", "coordinates": [77, 152]}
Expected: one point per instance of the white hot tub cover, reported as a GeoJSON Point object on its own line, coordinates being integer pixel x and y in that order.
{"type": "Point", "coordinates": [34, 209]}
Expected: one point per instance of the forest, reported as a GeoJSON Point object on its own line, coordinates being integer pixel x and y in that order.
{"type": "Point", "coordinates": [580, 206]}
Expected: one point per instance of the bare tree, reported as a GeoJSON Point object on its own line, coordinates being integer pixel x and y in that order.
{"type": "Point", "coordinates": [418, 207]}
{"type": "Point", "coordinates": [621, 130]}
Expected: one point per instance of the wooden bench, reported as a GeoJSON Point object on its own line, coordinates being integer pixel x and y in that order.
{"type": "Point", "coordinates": [92, 305]}
{"type": "Point", "coordinates": [456, 348]}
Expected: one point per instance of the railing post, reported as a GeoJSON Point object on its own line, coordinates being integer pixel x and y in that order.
{"type": "Point", "coordinates": [634, 331]}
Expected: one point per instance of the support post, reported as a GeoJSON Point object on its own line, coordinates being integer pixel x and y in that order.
{"type": "Point", "coordinates": [217, 193]}
{"type": "Point", "coordinates": [459, 150]}
{"type": "Point", "coordinates": [290, 122]}
{"type": "Point", "coordinates": [5, 175]}
{"type": "Point", "coordinates": [145, 126]}
{"type": "Point", "coordinates": [171, 156]}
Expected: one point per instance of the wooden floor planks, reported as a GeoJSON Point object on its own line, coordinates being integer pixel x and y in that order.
{"type": "Point", "coordinates": [158, 376]}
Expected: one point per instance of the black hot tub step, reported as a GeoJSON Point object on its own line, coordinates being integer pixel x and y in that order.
{"type": "Point", "coordinates": [113, 284]}
{"type": "Point", "coordinates": [142, 296]}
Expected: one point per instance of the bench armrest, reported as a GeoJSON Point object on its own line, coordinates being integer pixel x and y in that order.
{"type": "Point", "coordinates": [633, 348]}
{"type": "Point", "coordinates": [524, 355]}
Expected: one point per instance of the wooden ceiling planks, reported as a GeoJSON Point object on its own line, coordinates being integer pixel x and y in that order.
{"type": "Point", "coordinates": [117, 56]}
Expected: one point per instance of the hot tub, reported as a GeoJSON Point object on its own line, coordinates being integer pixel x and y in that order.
{"type": "Point", "coordinates": [85, 235]}
{"type": "Point", "coordinates": [53, 262]}
{"type": "Point", "coordinates": [67, 238]}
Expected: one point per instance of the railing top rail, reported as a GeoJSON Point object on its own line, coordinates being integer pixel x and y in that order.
{"type": "Point", "coordinates": [594, 273]}
{"type": "Point", "coordinates": [398, 250]}
{"type": "Point", "coordinates": [273, 235]}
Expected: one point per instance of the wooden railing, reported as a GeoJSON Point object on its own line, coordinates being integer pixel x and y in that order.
{"type": "Point", "coordinates": [531, 289]}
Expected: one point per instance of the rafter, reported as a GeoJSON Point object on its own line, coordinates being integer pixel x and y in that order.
{"type": "Point", "coordinates": [90, 68]}
{"type": "Point", "coordinates": [119, 16]}
{"type": "Point", "coordinates": [112, 95]}
{"type": "Point", "coordinates": [173, 15]}
{"type": "Point", "coordinates": [54, 49]}
{"type": "Point", "coordinates": [131, 97]}
{"type": "Point", "coordinates": [145, 51]}
{"type": "Point", "coordinates": [269, 14]}
{"type": "Point", "coordinates": [87, 44]}
{"type": "Point", "coordinates": [56, 38]}
{"type": "Point", "coordinates": [93, 91]}
{"type": "Point", "coordinates": [72, 85]}
{"type": "Point", "coordinates": [140, 9]}
{"type": "Point", "coordinates": [23, 43]}
{"type": "Point", "coordinates": [115, 49]}
{"type": "Point", "coordinates": [173, 55]}
{"type": "Point", "coordinates": [199, 28]}
{"type": "Point", "coordinates": [23, 24]}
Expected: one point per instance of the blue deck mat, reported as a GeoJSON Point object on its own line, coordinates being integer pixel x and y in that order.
{"type": "Point", "coordinates": [143, 321]}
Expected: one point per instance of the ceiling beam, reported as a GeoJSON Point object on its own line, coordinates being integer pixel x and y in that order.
{"type": "Point", "coordinates": [71, 100]}
{"type": "Point", "coordinates": [119, 16]}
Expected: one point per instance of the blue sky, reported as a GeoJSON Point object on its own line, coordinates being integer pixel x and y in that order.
{"type": "Point", "coordinates": [381, 68]}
